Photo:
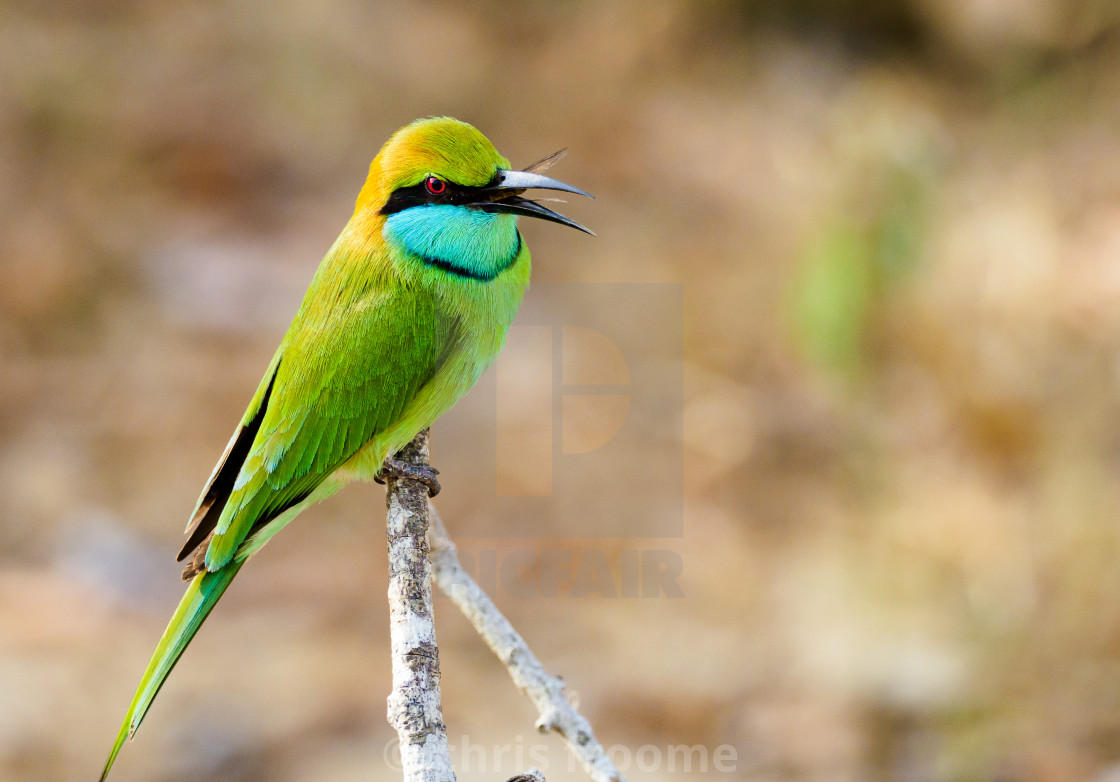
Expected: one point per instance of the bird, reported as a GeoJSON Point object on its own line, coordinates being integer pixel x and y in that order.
{"type": "Point", "coordinates": [410, 305]}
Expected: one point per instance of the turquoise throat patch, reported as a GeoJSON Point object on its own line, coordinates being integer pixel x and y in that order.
{"type": "Point", "coordinates": [458, 239]}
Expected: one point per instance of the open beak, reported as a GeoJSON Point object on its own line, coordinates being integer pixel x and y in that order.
{"type": "Point", "coordinates": [503, 195]}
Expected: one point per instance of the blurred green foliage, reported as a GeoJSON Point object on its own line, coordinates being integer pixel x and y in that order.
{"type": "Point", "coordinates": [849, 268]}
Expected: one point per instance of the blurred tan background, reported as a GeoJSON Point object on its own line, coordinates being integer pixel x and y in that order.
{"type": "Point", "coordinates": [896, 226]}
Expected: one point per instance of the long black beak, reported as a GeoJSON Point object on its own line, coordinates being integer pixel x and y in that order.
{"type": "Point", "coordinates": [503, 194]}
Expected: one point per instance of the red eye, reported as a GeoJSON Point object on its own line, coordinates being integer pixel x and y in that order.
{"type": "Point", "coordinates": [435, 185]}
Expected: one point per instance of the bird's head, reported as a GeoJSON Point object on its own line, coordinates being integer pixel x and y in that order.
{"type": "Point", "coordinates": [450, 198]}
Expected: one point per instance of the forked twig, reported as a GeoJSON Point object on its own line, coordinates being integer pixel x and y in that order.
{"type": "Point", "coordinates": [547, 692]}
{"type": "Point", "coordinates": [414, 705]}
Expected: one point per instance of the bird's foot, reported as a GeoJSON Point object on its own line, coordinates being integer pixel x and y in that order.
{"type": "Point", "coordinates": [395, 468]}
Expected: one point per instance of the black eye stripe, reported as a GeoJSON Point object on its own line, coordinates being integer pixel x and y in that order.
{"type": "Point", "coordinates": [405, 197]}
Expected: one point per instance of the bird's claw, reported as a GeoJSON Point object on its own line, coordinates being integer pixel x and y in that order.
{"type": "Point", "coordinates": [395, 468]}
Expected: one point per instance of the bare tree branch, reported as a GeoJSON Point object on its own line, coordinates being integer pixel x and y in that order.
{"type": "Point", "coordinates": [414, 705]}
{"type": "Point", "coordinates": [545, 691]}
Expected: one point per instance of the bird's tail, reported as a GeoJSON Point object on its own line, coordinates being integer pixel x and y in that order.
{"type": "Point", "coordinates": [200, 598]}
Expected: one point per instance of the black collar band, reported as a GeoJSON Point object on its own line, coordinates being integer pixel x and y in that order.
{"type": "Point", "coordinates": [469, 274]}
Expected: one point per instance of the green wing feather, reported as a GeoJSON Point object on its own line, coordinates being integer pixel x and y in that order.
{"type": "Point", "coordinates": [212, 501]}
{"type": "Point", "coordinates": [334, 390]}
{"type": "Point", "coordinates": [341, 376]}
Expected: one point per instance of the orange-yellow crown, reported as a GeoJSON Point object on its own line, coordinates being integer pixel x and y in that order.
{"type": "Point", "coordinates": [439, 146]}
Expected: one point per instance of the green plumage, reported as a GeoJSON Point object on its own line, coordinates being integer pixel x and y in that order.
{"type": "Point", "coordinates": [397, 324]}
{"type": "Point", "coordinates": [201, 597]}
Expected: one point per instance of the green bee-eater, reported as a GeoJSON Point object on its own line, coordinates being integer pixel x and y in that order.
{"type": "Point", "coordinates": [406, 311]}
